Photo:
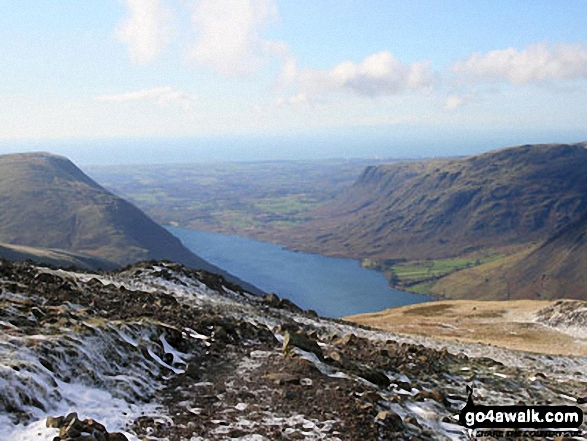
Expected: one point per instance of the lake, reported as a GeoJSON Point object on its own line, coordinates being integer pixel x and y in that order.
{"type": "Point", "coordinates": [331, 286]}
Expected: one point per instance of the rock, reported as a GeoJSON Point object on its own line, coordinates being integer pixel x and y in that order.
{"type": "Point", "coordinates": [37, 312]}
{"type": "Point", "coordinates": [289, 305]}
{"type": "Point", "coordinates": [220, 334]}
{"type": "Point", "coordinates": [280, 378]}
{"type": "Point", "coordinates": [272, 300]}
{"type": "Point", "coordinates": [93, 425]}
{"type": "Point", "coordinates": [405, 385]}
{"type": "Point", "coordinates": [437, 396]}
{"type": "Point", "coordinates": [192, 370]}
{"type": "Point", "coordinates": [101, 436]}
{"type": "Point", "coordinates": [372, 375]}
{"type": "Point", "coordinates": [71, 416]}
{"type": "Point", "coordinates": [117, 436]}
{"type": "Point", "coordinates": [55, 422]}
{"type": "Point", "coordinates": [389, 417]}
{"type": "Point", "coordinates": [289, 394]}
{"type": "Point", "coordinates": [413, 421]}
{"type": "Point", "coordinates": [346, 340]}
{"type": "Point", "coordinates": [71, 429]}
{"type": "Point", "coordinates": [336, 357]}
{"type": "Point", "coordinates": [301, 341]}
{"type": "Point", "coordinates": [582, 400]}
{"type": "Point", "coordinates": [372, 397]}
{"type": "Point", "coordinates": [307, 382]}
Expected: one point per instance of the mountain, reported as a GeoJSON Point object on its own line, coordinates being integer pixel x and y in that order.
{"type": "Point", "coordinates": [47, 202]}
{"type": "Point", "coordinates": [550, 270]}
{"type": "Point", "coordinates": [444, 208]}
{"type": "Point", "coordinates": [555, 269]}
{"type": "Point", "coordinates": [158, 351]}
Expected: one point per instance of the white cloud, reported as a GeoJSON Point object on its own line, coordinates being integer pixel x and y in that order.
{"type": "Point", "coordinates": [289, 69]}
{"type": "Point", "coordinates": [537, 62]}
{"type": "Point", "coordinates": [228, 31]}
{"type": "Point", "coordinates": [160, 95]}
{"type": "Point", "coordinates": [146, 30]}
{"type": "Point", "coordinates": [378, 74]}
{"type": "Point", "coordinates": [299, 101]}
{"type": "Point", "coordinates": [453, 102]}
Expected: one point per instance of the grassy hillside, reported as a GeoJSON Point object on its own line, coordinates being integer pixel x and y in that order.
{"type": "Point", "coordinates": [440, 209]}
{"type": "Point", "coordinates": [47, 202]}
{"type": "Point", "coordinates": [52, 257]}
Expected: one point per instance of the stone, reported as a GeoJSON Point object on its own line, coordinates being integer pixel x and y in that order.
{"type": "Point", "coordinates": [55, 422]}
{"type": "Point", "coordinates": [346, 340]}
{"type": "Point", "coordinates": [117, 436]}
{"type": "Point", "coordinates": [389, 417]}
{"type": "Point", "coordinates": [71, 416]}
{"type": "Point", "coordinates": [372, 397]}
{"type": "Point", "coordinates": [272, 300]}
{"type": "Point", "coordinates": [93, 425]}
{"type": "Point", "coordinates": [413, 421]}
{"type": "Point", "coordinates": [373, 376]}
{"type": "Point", "coordinates": [71, 429]}
{"type": "Point", "coordinates": [192, 370]}
{"type": "Point", "coordinates": [280, 378]}
{"type": "Point", "coordinates": [220, 334]}
{"type": "Point", "coordinates": [404, 385]}
{"type": "Point", "coordinates": [437, 396]}
{"type": "Point", "coordinates": [336, 357]}
{"type": "Point", "coordinates": [101, 436]}
{"type": "Point", "coordinates": [301, 341]}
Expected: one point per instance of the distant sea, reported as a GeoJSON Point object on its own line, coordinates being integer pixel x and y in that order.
{"type": "Point", "coordinates": [344, 142]}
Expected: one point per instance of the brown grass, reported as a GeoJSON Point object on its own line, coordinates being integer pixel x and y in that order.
{"type": "Point", "coordinates": [508, 324]}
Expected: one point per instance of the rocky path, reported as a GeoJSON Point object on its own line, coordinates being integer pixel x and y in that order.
{"type": "Point", "coordinates": [183, 355]}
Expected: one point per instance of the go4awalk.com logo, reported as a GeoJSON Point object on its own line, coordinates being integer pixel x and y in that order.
{"type": "Point", "coordinates": [475, 416]}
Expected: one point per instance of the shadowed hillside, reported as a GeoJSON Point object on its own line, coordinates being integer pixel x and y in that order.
{"type": "Point", "coordinates": [553, 270]}
{"type": "Point", "coordinates": [557, 268]}
{"type": "Point", "coordinates": [437, 209]}
{"type": "Point", "coordinates": [47, 202]}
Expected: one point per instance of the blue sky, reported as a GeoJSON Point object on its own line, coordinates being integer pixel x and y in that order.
{"type": "Point", "coordinates": [270, 79]}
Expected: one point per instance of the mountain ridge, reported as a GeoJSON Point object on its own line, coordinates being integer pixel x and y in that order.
{"type": "Point", "coordinates": [444, 208]}
{"type": "Point", "coordinates": [47, 202]}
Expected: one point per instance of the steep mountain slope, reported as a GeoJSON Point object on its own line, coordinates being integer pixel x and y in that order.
{"type": "Point", "coordinates": [163, 352]}
{"type": "Point", "coordinates": [557, 268]}
{"type": "Point", "coordinates": [47, 202]}
{"type": "Point", "coordinates": [435, 209]}
{"type": "Point", "coordinates": [554, 269]}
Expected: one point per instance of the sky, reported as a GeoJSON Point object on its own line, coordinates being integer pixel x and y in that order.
{"type": "Point", "coordinates": [165, 80]}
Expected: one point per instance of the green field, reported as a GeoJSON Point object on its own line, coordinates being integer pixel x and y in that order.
{"type": "Point", "coordinates": [420, 276]}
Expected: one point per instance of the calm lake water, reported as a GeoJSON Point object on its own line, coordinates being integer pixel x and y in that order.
{"type": "Point", "coordinates": [332, 287]}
